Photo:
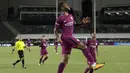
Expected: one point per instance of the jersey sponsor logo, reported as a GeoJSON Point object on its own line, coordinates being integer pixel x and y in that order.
{"type": "Point", "coordinates": [69, 23]}
{"type": "Point", "coordinates": [93, 46]}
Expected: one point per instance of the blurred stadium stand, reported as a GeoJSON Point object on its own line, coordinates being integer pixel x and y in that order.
{"type": "Point", "coordinates": [115, 15]}
{"type": "Point", "coordinates": [6, 34]}
{"type": "Point", "coordinates": [40, 20]}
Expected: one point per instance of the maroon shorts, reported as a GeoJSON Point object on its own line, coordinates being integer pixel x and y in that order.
{"type": "Point", "coordinates": [29, 45]}
{"type": "Point", "coordinates": [94, 56]}
{"type": "Point", "coordinates": [43, 52]}
{"type": "Point", "coordinates": [68, 43]}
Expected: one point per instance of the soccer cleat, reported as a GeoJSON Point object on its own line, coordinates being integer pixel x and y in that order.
{"type": "Point", "coordinates": [99, 66]}
{"type": "Point", "coordinates": [39, 64]}
{"type": "Point", "coordinates": [56, 53]}
{"type": "Point", "coordinates": [24, 67]}
{"type": "Point", "coordinates": [13, 65]}
{"type": "Point", "coordinates": [43, 62]}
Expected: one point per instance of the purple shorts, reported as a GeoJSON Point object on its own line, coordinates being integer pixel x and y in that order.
{"type": "Point", "coordinates": [94, 56]}
{"type": "Point", "coordinates": [65, 50]}
{"type": "Point", "coordinates": [28, 45]}
{"type": "Point", "coordinates": [43, 52]}
{"type": "Point", "coordinates": [56, 45]}
{"type": "Point", "coordinates": [68, 43]}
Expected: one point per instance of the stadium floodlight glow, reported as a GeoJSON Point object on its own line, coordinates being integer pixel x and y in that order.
{"type": "Point", "coordinates": [126, 12]}
{"type": "Point", "coordinates": [117, 13]}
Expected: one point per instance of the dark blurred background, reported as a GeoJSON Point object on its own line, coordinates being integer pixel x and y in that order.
{"type": "Point", "coordinates": [38, 17]}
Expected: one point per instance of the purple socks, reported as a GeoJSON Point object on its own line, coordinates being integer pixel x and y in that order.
{"type": "Point", "coordinates": [61, 68]}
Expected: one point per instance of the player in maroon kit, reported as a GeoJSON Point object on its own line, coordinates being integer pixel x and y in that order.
{"type": "Point", "coordinates": [66, 23]}
{"type": "Point", "coordinates": [92, 45]}
{"type": "Point", "coordinates": [93, 48]}
{"type": "Point", "coordinates": [28, 43]}
{"type": "Point", "coordinates": [43, 51]}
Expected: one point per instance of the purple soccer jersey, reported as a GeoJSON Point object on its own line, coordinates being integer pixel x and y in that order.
{"type": "Point", "coordinates": [66, 24]}
{"type": "Point", "coordinates": [28, 43]}
{"type": "Point", "coordinates": [43, 46]}
{"type": "Point", "coordinates": [92, 47]}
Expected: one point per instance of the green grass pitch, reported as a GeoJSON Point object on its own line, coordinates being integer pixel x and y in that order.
{"type": "Point", "coordinates": [117, 60]}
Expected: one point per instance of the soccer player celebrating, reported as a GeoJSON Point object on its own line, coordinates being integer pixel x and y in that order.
{"type": "Point", "coordinates": [56, 45]}
{"type": "Point", "coordinates": [20, 45]}
{"type": "Point", "coordinates": [66, 23]}
{"type": "Point", "coordinates": [43, 51]}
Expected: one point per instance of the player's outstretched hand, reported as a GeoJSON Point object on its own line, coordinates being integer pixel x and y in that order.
{"type": "Point", "coordinates": [86, 20]}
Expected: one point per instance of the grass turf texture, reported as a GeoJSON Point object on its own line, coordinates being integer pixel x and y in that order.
{"type": "Point", "coordinates": [116, 57]}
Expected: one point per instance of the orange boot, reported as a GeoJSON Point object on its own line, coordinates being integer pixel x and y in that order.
{"type": "Point", "coordinates": [99, 66]}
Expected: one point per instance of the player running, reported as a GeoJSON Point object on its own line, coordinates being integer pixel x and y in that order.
{"type": "Point", "coordinates": [28, 42]}
{"type": "Point", "coordinates": [20, 45]}
{"type": "Point", "coordinates": [43, 51]}
{"type": "Point", "coordinates": [66, 23]}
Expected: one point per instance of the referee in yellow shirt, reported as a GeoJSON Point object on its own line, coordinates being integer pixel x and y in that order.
{"type": "Point", "coordinates": [20, 45]}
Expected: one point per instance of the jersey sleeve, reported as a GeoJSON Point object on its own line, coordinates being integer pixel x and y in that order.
{"type": "Point", "coordinates": [58, 22]}
{"type": "Point", "coordinates": [24, 44]}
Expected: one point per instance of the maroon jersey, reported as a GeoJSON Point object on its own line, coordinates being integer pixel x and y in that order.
{"type": "Point", "coordinates": [43, 44]}
{"type": "Point", "coordinates": [28, 42]}
{"type": "Point", "coordinates": [92, 45]}
{"type": "Point", "coordinates": [66, 24]}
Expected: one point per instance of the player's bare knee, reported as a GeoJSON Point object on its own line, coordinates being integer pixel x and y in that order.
{"type": "Point", "coordinates": [65, 59]}
{"type": "Point", "coordinates": [81, 46]}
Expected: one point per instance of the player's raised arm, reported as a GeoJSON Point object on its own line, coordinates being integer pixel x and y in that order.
{"type": "Point", "coordinates": [84, 21]}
